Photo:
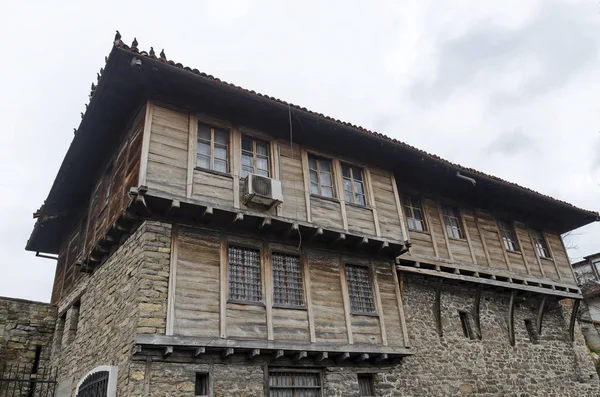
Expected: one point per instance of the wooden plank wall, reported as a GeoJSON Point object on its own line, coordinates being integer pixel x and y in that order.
{"type": "Point", "coordinates": [119, 174]}
{"type": "Point", "coordinates": [197, 295]}
{"type": "Point", "coordinates": [385, 200]}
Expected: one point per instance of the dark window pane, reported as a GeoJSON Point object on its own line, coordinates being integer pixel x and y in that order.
{"type": "Point", "coordinates": [244, 274]}
{"type": "Point", "coordinates": [359, 289]}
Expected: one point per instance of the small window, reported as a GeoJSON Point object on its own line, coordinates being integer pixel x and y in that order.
{"type": "Point", "coordinates": [255, 157]}
{"type": "Point", "coordinates": [201, 387]}
{"type": "Point", "coordinates": [540, 244]}
{"type": "Point", "coordinates": [321, 176]}
{"type": "Point", "coordinates": [531, 331]}
{"type": "Point", "coordinates": [452, 221]}
{"type": "Point", "coordinates": [359, 289]}
{"type": "Point", "coordinates": [213, 148]}
{"type": "Point", "coordinates": [36, 360]}
{"type": "Point", "coordinates": [366, 385]}
{"type": "Point", "coordinates": [466, 325]}
{"type": "Point", "coordinates": [354, 190]}
{"type": "Point", "coordinates": [414, 214]}
{"type": "Point", "coordinates": [509, 236]}
{"type": "Point", "coordinates": [244, 274]}
{"type": "Point", "coordinates": [295, 384]}
{"type": "Point", "coordinates": [287, 280]}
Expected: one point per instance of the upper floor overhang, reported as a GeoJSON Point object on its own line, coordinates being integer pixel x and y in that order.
{"type": "Point", "coordinates": [131, 77]}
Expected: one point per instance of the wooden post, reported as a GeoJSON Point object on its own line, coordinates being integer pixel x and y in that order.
{"type": "Point", "coordinates": [191, 160]}
{"type": "Point", "coordinates": [521, 249]}
{"type": "Point", "coordinates": [145, 144]}
{"type": "Point", "coordinates": [468, 237]}
{"type": "Point", "coordinates": [476, 318]}
{"type": "Point", "coordinates": [485, 247]}
{"type": "Point", "coordinates": [346, 300]}
{"type": "Point", "coordinates": [306, 174]}
{"type": "Point", "coordinates": [267, 271]}
{"type": "Point", "coordinates": [172, 281]}
{"type": "Point", "coordinates": [540, 316]}
{"type": "Point", "coordinates": [401, 216]}
{"type": "Point", "coordinates": [384, 341]}
{"type": "Point", "coordinates": [552, 256]}
{"type": "Point", "coordinates": [441, 213]}
{"type": "Point", "coordinates": [400, 303]}
{"type": "Point", "coordinates": [236, 167]}
{"type": "Point", "coordinates": [573, 318]}
{"type": "Point", "coordinates": [537, 255]}
{"type": "Point", "coordinates": [339, 188]}
{"type": "Point", "coordinates": [369, 186]}
{"type": "Point", "coordinates": [437, 307]}
{"type": "Point", "coordinates": [511, 318]}
{"type": "Point", "coordinates": [308, 297]}
{"type": "Point", "coordinates": [223, 288]}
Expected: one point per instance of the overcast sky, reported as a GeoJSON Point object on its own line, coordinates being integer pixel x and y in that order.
{"type": "Point", "coordinates": [508, 87]}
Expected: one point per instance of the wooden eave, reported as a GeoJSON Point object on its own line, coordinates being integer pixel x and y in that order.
{"type": "Point", "coordinates": [124, 86]}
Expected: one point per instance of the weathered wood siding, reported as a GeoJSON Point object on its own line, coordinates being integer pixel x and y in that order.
{"type": "Point", "coordinates": [196, 297]}
{"type": "Point", "coordinates": [108, 200]}
{"type": "Point", "coordinates": [292, 182]}
{"type": "Point", "coordinates": [360, 220]}
{"type": "Point", "coordinates": [385, 201]}
{"type": "Point", "coordinates": [435, 224]}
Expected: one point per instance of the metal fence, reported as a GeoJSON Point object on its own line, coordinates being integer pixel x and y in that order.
{"type": "Point", "coordinates": [27, 381]}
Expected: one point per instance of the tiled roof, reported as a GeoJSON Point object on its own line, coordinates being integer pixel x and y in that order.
{"type": "Point", "coordinates": [162, 58]}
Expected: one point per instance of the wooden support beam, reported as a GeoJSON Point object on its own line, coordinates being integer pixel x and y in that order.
{"type": "Point", "coordinates": [573, 318]}
{"type": "Point", "coordinates": [363, 241]}
{"type": "Point", "coordinates": [227, 352]}
{"type": "Point", "coordinates": [322, 356]}
{"type": "Point", "coordinates": [137, 349]}
{"type": "Point", "coordinates": [384, 245]}
{"type": "Point", "coordinates": [238, 217]}
{"type": "Point", "coordinates": [381, 357]}
{"type": "Point", "coordinates": [361, 357]}
{"type": "Point", "coordinates": [253, 354]}
{"type": "Point", "coordinates": [540, 316]}
{"type": "Point", "coordinates": [341, 238]}
{"type": "Point", "coordinates": [476, 318]}
{"type": "Point", "coordinates": [317, 233]}
{"type": "Point", "coordinates": [511, 318]}
{"type": "Point", "coordinates": [300, 355]}
{"type": "Point", "coordinates": [199, 351]}
{"type": "Point", "coordinates": [342, 357]}
{"type": "Point", "coordinates": [265, 223]}
{"type": "Point", "coordinates": [292, 230]}
{"type": "Point", "coordinates": [208, 212]}
{"type": "Point", "coordinates": [437, 308]}
{"type": "Point", "coordinates": [120, 228]}
{"type": "Point", "coordinates": [173, 207]}
{"type": "Point", "coordinates": [278, 354]}
{"type": "Point", "coordinates": [168, 351]}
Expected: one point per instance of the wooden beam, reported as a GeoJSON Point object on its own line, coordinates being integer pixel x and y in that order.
{"type": "Point", "coordinates": [384, 245]}
{"type": "Point", "coordinates": [441, 213]}
{"type": "Point", "coordinates": [306, 180]}
{"type": "Point", "coordinates": [540, 316]}
{"type": "Point", "coordinates": [191, 158]}
{"type": "Point", "coordinates": [340, 238]}
{"type": "Point", "coordinates": [573, 318]}
{"type": "Point", "coordinates": [145, 144]}
{"type": "Point", "coordinates": [253, 354]}
{"type": "Point", "coordinates": [308, 297]}
{"type": "Point", "coordinates": [317, 233]}
{"type": "Point", "coordinates": [483, 242]}
{"type": "Point", "coordinates": [267, 271]}
{"type": "Point", "coordinates": [468, 237]}
{"type": "Point", "coordinates": [174, 207]}
{"type": "Point", "coordinates": [346, 300]}
{"type": "Point", "coordinates": [501, 240]}
{"type": "Point", "coordinates": [342, 357]}
{"type": "Point", "coordinates": [265, 223]}
{"type": "Point", "coordinates": [400, 303]}
{"type": "Point", "coordinates": [476, 318]}
{"type": "Point", "coordinates": [137, 349]}
{"type": "Point", "coordinates": [378, 304]}
{"type": "Point", "coordinates": [372, 203]}
{"type": "Point", "coordinates": [278, 354]}
{"type": "Point", "coordinates": [300, 355]}
{"type": "Point", "coordinates": [437, 308]}
{"type": "Point", "coordinates": [361, 357]}
{"type": "Point", "coordinates": [172, 281]}
{"type": "Point", "coordinates": [208, 212]}
{"type": "Point", "coordinates": [227, 352]}
{"type": "Point", "coordinates": [292, 230]}
{"type": "Point", "coordinates": [322, 356]}
{"type": "Point", "coordinates": [223, 287]}
{"type": "Point", "coordinates": [167, 351]}
{"type": "Point", "coordinates": [399, 209]}
{"type": "Point", "coordinates": [235, 147]}
{"type": "Point", "coordinates": [238, 217]}
{"type": "Point", "coordinates": [511, 318]}
{"type": "Point", "coordinates": [199, 351]}
{"type": "Point", "coordinates": [521, 248]}
{"type": "Point", "coordinates": [381, 357]}
{"type": "Point", "coordinates": [363, 241]}
{"type": "Point", "coordinates": [537, 255]}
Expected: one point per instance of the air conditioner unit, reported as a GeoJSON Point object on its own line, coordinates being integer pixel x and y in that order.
{"type": "Point", "coordinates": [262, 190]}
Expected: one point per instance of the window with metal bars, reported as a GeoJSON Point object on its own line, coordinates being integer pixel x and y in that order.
{"type": "Point", "coordinates": [366, 385]}
{"type": "Point", "coordinates": [244, 274]}
{"type": "Point", "coordinates": [212, 150]}
{"type": "Point", "coordinates": [201, 387]}
{"type": "Point", "coordinates": [540, 244]}
{"type": "Point", "coordinates": [255, 157]}
{"type": "Point", "coordinates": [415, 217]}
{"type": "Point", "coordinates": [321, 176]}
{"type": "Point", "coordinates": [509, 236]}
{"type": "Point", "coordinates": [354, 190]}
{"type": "Point", "coordinates": [295, 384]}
{"type": "Point", "coordinates": [452, 221]}
{"type": "Point", "coordinates": [360, 290]}
{"type": "Point", "coordinates": [288, 288]}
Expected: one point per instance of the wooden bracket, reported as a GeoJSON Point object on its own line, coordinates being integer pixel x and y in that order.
{"type": "Point", "coordinates": [437, 307]}
{"type": "Point", "coordinates": [511, 318]}
{"type": "Point", "coordinates": [381, 357]}
{"type": "Point", "coordinates": [573, 318]}
{"type": "Point", "coordinates": [265, 223]}
{"type": "Point", "coordinates": [174, 207]}
{"type": "Point", "coordinates": [208, 212]}
{"type": "Point", "coordinates": [278, 354]}
{"type": "Point", "coordinates": [292, 230]}
{"type": "Point", "coordinates": [253, 354]}
{"type": "Point", "coordinates": [137, 349]}
{"type": "Point", "coordinates": [322, 356]}
{"type": "Point", "coordinates": [168, 351]}
{"type": "Point", "coordinates": [317, 233]}
{"type": "Point", "coordinates": [300, 355]}
{"type": "Point", "coordinates": [238, 217]}
{"type": "Point", "coordinates": [342, 357]}
{"type": "Point", "coordinates": [361, 357]}
{"type": "Point", "coordinates": [199, 351]}
{"type": "Point", "coordinates": [476, 318]}
{"type": "Point", "coordinates": [540, 316]}
{"type": "Point", "coordinates": [227, 352]}
{"type": "Point", "coordinates": [340, 239]}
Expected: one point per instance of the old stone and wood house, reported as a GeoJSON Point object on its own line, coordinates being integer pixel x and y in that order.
{"type": "Point", "coordinates": [215, 241]}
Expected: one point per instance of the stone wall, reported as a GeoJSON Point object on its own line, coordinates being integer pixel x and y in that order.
{"type": "Point", "coordinates": [25, 326]}
{"type": "Point", "coordinates": [99, 318]}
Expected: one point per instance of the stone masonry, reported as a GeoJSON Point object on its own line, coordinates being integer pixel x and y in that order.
{"type": "Point", "coordinates": [128, 295]}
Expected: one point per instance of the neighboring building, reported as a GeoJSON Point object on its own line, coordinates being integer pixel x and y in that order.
{"type": "Point", "coordinates": [215, 241]}
{"type": "Point", "coordinates": [587, 273]}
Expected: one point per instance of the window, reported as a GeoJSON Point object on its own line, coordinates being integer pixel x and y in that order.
{"type": "Point", "coordinates": [321, 177]}
{"type": "Point", "coordinates": [540, 244]}
{"type": "Point", "coordinates": [354, 191]}
{"type": "Point", "coordinates": [359, 289]}
{"type": "Point", "coordinates": [466, 325]}
{"type": "Point", "coordinates": [509, 236]}
{"type": "Point", "coordinates": [212, 149]}
{"type": "Point", "coordinates": [244, 274]}
{"type": "Point", "coordinates": [414, 214]}
{"type": "Point", "coordinates": [255, 157]}
{"type": "Point", "coordinates": [452, 221]}
{"type": "Point", "coordinates": [36, 360]}
{"type": "Point", "coordinates": [201, 386]}
{"type": "Point", "coordinates": [287, 280]}
{"type": "Point", "coordinates": [295, 384]}
{"type": "Point", "coordinates": [596, 264]}
{"type": "Point", "coordinates": [365, 385]}
{"type": "Point", "coordinates": [531, 331]}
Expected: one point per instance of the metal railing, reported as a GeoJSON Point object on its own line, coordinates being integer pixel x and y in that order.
{"type": "Point", "coordinates": [20, 380]}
